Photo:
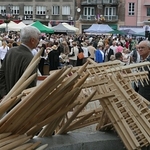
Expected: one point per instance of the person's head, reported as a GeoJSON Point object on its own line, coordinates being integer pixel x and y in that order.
{"type": "Point", "coordinates": [14, 44]}
{"type": "Point", "coordinates": [119, 44]}
{"type": "Point", "coordinates": [74, 43]}
{"type": "Point", "coordinates": [112, 57]}
{"type": "Point", "coordinates": [144, 49]}
{"type": "Point", "coordinates": [44, 46]}
{"type": "Point", "coordinates": [100, 47]}
{"type": "Point", "coordinates": [64, 43]}
{"type": "Point", "coordinates": [84, 44]}
{"type": "Point", "coordinates": [30, 36]}
{"type": "Point", "coordinates": [114, 43]}
{"type": "Point", "coordinates": [4, 44]}
{"type": "Point", "coordinates": [119, 56]}
{"type": "Point", "coordinates": [107, 46]}
{"type": "Point", "coordinates": [125, 50]}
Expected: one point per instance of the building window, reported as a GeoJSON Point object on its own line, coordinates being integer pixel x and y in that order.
{"type": "Point", "coordinates": [55, 10]}
{"type": "Point", "coordinates": [110, 11]}
{"type": "Point", "coordinates": [2, 10]}
{"type": "Point", "coordinates": [15, 10]}
{"type": "Point", "coordinates": [148, 11]}
{"type": "Point", "coordinates": [28, 10]}
{"type": "Point", "coordinates": [40, 10]}
{"type": "Point", "coordinates": [131, 10]}
{"type": "Point", "coordinates": [65, 10]}
{"type": "Point", "coordinates": [89, 11]}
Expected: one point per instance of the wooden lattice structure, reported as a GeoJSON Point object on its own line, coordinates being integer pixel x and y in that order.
{"type": "Point", "coordinates": [129, 113]}
{"type": "Point", "coordinates": [59, 104]}
{"type": "Point", "coordinates": [18, 142]}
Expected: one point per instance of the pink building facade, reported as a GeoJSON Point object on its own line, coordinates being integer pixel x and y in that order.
{"type": "Point", "coordinates": [137, 12]}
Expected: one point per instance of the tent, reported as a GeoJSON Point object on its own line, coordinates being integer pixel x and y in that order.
{"type": "Point", "coordinates": [61, 28]}
{"type": "Point", "coordinates": [70, 27]}
{"type": "Point", "coordinates": [18, 27]}
{"type": "Point", "coordinates": [42, 27]}
{"type": "Point", "coordinates": [21, 24]}
{"type": "Point", "coordinates": [140, 34]}
{"type": "Point", "coordinates": [11, 26]}
{"type": "Point", "coordinates": [128, 31]}
{"type": "Point", "coordinates": [116, 32]}
{"type": "Point", "coordinates": [99, 28]}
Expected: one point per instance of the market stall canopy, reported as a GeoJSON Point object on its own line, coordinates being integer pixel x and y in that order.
{"type": "Point", "coordinates": [18, 26]}
{"type": "Point", "coordinates": [128, 31]}
{"type": "Point", "coordinates": [140, 34]}
{"type": "Point", "coordinates": [62, 28]}
{"type": "Point", "coordinates": [12, 26]}
{"type": "Point", "coordinates": [42, 27]}
{"type": "Point", "coordinates": [70, 27]}
{"type": "Point", "coordinates": [116, 32]}
{"type": "Point", "coordinates": [99, 28]}
{"type": "Point", "coordinates": [22, 25]}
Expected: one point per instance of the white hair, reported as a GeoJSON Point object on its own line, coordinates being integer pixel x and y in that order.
{"type": "Point", "coordinates": [29, 32]}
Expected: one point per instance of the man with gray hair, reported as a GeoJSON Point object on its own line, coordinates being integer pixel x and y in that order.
{"type": "Point", "coordinates": [144, 51]}
{"type": "Point", "coordinates": [17, 60]}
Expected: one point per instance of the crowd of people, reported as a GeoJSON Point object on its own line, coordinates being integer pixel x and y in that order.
{"type": "Point", "coordinates": [58, 48]}
{"type": "Point", "coordinates": [62, 49]}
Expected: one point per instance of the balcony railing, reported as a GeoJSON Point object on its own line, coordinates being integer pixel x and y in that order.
{"type": "Point", "coordinates": [112, 2]}
{"type": "Point", "coordinates": [87, 18]}
{"type": "Point", "coordinates": [89, 2]}
{"type": "Point", "coordinates": [94, 18]}
{"type": "Point", "coordinates": [146, 20]}
{"type": "Point", "coordinates": [111, 18]}
{"type": "Point", "coordinates": [104, 2]}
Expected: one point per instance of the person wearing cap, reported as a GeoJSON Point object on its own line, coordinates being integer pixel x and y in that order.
{"type": "Point", "coordinates": [17, 60]}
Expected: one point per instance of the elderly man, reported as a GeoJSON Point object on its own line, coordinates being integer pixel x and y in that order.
{"type": "Point", "coordinates": [144, 51]}
{"type": "Point", "coordinates": [17, 60]}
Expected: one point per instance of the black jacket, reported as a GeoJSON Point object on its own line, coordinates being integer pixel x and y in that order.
{"type": "Point", "coordinates": [111, 52]}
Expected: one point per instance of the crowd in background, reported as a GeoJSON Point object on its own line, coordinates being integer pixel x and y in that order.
{"type": "Point", "coordinates": [61, 49]}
